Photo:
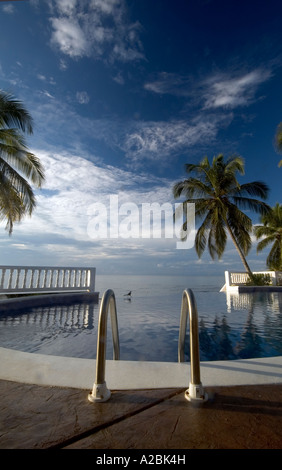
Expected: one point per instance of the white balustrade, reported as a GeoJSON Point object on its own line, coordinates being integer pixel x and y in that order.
{"type": "Point", "coordinates": [33, 279]}
{"type": "Point", "coordinates": [235, 279]}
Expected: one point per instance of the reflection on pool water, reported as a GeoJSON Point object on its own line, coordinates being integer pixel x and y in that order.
{"type": "Point", "coordinates": [234, 327]}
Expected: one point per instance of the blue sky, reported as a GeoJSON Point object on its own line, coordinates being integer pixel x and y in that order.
{"type": "Point", "coordinates": [123, 94]}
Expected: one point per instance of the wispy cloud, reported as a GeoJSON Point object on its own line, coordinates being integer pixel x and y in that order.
{"type": "Point", "coordinates": [93, 29]}
{"type": "Point", "coordinates": [139, 141]}
{"type": "Point", "coordinates": [119, 79]}
{"type": "Point", "coordinates": [9, 9]}
{"type": "Point", "coordinates": [82, 97]}
{"type": "Point", "coordinates": [225, 90]}
{"type": "Point", "coordinates": [170, 83]}
{"type": "Point", "coordinates": [159, 140]}
{"type": "Point", "coordinates": [145, 141]}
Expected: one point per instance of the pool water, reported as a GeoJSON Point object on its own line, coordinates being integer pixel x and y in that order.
{"type": "Point", "coordinates": [230, 327]}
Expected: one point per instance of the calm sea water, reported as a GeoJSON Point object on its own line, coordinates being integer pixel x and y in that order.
{"type": "Point", "coordinates": [230, 327]}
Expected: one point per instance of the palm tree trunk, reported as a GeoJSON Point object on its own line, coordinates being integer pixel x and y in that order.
{"type": "Point", "coordinates": [241, 254]}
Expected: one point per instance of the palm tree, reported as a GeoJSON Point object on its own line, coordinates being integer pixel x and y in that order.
{"type": "Point", "coordinates": [218, 197]}
{"type": "Point", "coordinates": [278, 141]}
{"type": "Point", "coordinates": [271, 232]}
{"type": "Point", "coordinates": [17, 164]}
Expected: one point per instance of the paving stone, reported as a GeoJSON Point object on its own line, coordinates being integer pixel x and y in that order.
{"type": "Point", "coordinates": [40, 417]}
{"type": "Point", "coordinates": [233, 418]}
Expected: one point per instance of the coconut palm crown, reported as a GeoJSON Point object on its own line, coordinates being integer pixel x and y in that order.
{"type": "Point", "coordinates": [271, 233]}
{"type": "Point", "coordinates": [218, 199]}
{"type": "Point", "coordinates": [18, 166]}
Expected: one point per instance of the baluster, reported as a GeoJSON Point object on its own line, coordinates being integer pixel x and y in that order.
{"type": "Point", "coordinates": [79, 283]}
{"type": "Point", "coordinates": [85, 278]}
{"type": "Point", "coordinates": [3, 271]}
{"type": "Point", "coordinates": [24, 278]}
{"type": "Point", "coordinates": [10, 278]}
{"type": "Point", "coordinates": [44, 277]}
{"type": "Point", "coordinates": [16, 286]}
{"type": "Point", "coordinates": [37, 278]}
{"type": "Point", "coordinates": [71, 278]}
{"type": "Point", "coordinates": [31, 278]}
{"type": "Point", "coordinates": [63, 278]}
{"type": "Point", "coordinates": [51, 277]}
{"type": "Point", "coordinates": [57, 278]}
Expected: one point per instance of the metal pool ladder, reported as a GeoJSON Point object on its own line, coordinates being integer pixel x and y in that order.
{"type": "Point", "coordinates": [100, 392]}
{"type": "Point", "coordinates": [195, 392]}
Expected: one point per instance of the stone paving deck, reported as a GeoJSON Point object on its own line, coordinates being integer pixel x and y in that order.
{"type": "Point", "coordinates": [48, 417]}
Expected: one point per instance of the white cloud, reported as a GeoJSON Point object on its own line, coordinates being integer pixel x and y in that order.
{"type": "Point", "coordinates": [9, 9]}
{"type": "Point", "coordinates": [170, 83]}
{"type": "Point", "coordinates": [73, 184]}
{"type": "Point", "coordinates": [221, 90]}
{"type": "Point", "coordinates": [94, 28]}
{"type": "Point", "coordinates": [63, 65]}
{"type": "Point", "coordinates": [41, 77]}
{"type": "Point", "coordinates": [156, 140]}
{"type": "Point", "coordinates": [46, 93]}
{"type": "Point", "coordinates": [66, 7]}
{"type": "Point", "coordinates": [119, 79]}
{"type": "Point", "coordinates": [225, 91]}
{"type": "Point", "coordinates": [105, 6]}
{"type": "Point", "coordinates": [82, 97]}
{"type": "Point", "coordinates": [69, 36]}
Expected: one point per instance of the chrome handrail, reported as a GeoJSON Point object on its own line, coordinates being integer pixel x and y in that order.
{"type": "Point", "coordinates": [195, 392]}
{"type": "Point", "coordinates": [100, 392]}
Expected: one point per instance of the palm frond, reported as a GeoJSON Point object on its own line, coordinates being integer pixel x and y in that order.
{"type": "Point", "coordinates": [13, 113]}
{"type": "Point", "coordinates": [254, 189]}
{"type": "Point", "coordinates": [235, 164]}
{"type": "Point", "coordinates": [11, 182]}
{"type": "Point", "coordinates": [201, 235]}
{"type": "Point", "coordinates": [265, 242]}
{"type": "Point", "coordinates": [217, 238]}
{"type": "Point", "coordinates": [264, 231]}
{"type": "Point", "coordinates": [254, 205]}
{"type": "Point", "coordinates": [271, 232]}
{"type": "Point", "coordinates": [274, 259]}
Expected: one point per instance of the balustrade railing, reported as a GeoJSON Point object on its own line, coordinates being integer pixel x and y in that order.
{"type": "Point", "coordinates": [235, 279]}
{"type": "Point", "coordinates": [34, 279]}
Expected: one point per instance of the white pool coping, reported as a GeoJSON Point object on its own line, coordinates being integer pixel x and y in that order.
{"type": "Point", "coordinates": [31, 368]}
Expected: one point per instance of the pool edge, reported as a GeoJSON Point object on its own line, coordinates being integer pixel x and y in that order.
{"type": "Point", "coordinates": [79, 373]}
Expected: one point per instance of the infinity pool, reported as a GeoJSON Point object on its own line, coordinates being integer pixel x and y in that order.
{"type": "Point", "coordinates": [236, 327]}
